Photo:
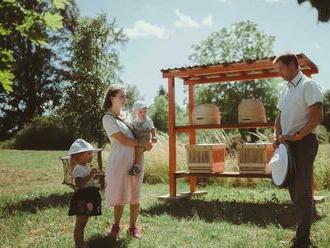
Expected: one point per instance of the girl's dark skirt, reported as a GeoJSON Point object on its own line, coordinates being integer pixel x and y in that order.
{"type": "Point", "coordinates": [86, 201]}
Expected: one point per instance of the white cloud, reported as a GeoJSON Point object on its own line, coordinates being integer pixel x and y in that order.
{"type": "Point", "coordinates": [186, 21]}
{"type": "Point", "coordinates": [144, 29]}
{"type": "Point", "coordinates": [223, 1]}
{"type": "Point", "coordinates": [207, 21]}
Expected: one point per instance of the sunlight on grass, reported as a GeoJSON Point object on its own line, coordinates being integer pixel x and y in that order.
{"type": "Point", "coordinates": [34, 205]}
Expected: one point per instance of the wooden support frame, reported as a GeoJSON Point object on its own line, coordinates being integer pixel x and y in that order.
{"type": "Point", "coordinates": [192, 131]}
{"type": "Point", "coordinates": [215, 73]}
{"type": "Point", "coordinates": [172, 135]}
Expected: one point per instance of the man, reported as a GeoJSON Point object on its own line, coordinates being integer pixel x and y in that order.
{"type": "Point", "coordinates": [300, 105]}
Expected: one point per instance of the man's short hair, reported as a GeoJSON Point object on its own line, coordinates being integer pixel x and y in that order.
{"type": "Point", "coordinates": [286, 58]}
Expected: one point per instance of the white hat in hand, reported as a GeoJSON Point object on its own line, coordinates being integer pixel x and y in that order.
{"type": "Point", "coordinates": [280, 164]}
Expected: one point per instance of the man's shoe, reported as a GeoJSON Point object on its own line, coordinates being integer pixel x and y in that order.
{"type": "Point", "coordinates": [299, 243]}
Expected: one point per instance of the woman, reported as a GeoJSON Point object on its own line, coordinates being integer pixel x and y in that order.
{"type": "Point", "coordinates": [121, 188]}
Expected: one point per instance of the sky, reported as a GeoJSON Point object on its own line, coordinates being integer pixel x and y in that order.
{"type": "Point", "coordinates": [161, 33]}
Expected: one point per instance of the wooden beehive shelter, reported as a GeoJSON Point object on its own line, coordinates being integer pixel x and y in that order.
{"type": "Point", "coordinates": [215, 73]}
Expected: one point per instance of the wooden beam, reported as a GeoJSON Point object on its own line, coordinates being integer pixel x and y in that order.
{"type": "Point", "coordinates": [192, 132]}
{"type": "Point", "coordinates": [310, 64]}
{"type": "Point", "coordinates": [188, 128]}
{"type": "Point", "coordinates": [172, 135]}
{"type": "Point", "coordinates": [223, 79]}
{"type": "Point", "coordinates": [181, 195]}
{"type": "Point", "coordinates": [223, 174]}
{"type": "Point", "coordinates": [232, 79]}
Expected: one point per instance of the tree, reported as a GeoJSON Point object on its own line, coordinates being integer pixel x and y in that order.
{"type": "Point", "coordinates": [95, 61]}
{"type": "Point", "coordinates": [132, 94]}
{"type": "Point", "coordinates": [38, 70]}
{"type": "Point", "coordinates": [23, 19]}
{"type": "Point", "coordinates": [159, 110]}
{"type": "Point", "coordinates": [241, 41]}
{"type": "Point", "coordinates": [322, 6]}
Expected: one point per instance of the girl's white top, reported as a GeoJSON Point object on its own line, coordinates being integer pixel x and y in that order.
{"type": "Point", "coordinates": [83, 171]}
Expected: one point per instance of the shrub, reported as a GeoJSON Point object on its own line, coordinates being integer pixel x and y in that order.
{"type": "Point", "coordinates": [322, 134]}
{"type": "Point", "coordinates": [156, 161]}
{"type": "Point", "coordinates": [43, 133]}
{"type": "Point", "coordinates": [7, 144]}
{"type": "Point", "coordinates": [322, 168]}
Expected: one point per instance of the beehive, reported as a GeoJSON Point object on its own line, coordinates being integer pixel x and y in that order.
{"type": "Point", "coordinates": [251, 111]}
{"type": "Point", "coordinates": [206, 114]}
{"type": "Point", "coordinates": [254, 158]}
{"type": "Point", "coordinates": [206, 158]}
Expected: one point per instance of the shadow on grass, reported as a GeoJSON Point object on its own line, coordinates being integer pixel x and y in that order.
{"type": "Point", "coordinates": [99, 241]}
{"type": "Point", "coordinates": [261, 214]}
{"type": "Point", "coordinates": [38, 203]}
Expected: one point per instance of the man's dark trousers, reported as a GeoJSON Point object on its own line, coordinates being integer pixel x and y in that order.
{"type": "Point", "coordinates": [301, 192]}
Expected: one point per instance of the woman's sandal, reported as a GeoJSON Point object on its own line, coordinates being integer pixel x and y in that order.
{"type": "Point", "coordinates": [134, 232]}
{"type": "Point", "coordinates": [114, 233]}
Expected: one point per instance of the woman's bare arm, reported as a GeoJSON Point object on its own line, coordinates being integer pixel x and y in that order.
{"type": "Point", "coordinates": [124, 140]}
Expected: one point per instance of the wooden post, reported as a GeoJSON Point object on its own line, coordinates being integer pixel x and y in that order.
{"type": "Point", "coordinates": [171, 136]}
{"type": "Point", "coordinates": [192, 132]}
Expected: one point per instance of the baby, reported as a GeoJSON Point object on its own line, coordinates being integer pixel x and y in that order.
{"type": "Point", "coordinates": [143, 128]}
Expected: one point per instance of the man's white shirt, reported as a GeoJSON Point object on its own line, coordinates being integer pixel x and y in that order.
{"type": "Point", "coordinates": [295, 99]}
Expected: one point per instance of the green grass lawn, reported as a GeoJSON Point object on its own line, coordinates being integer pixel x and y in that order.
{"type": "Point", "coordinates": [34, 207]}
